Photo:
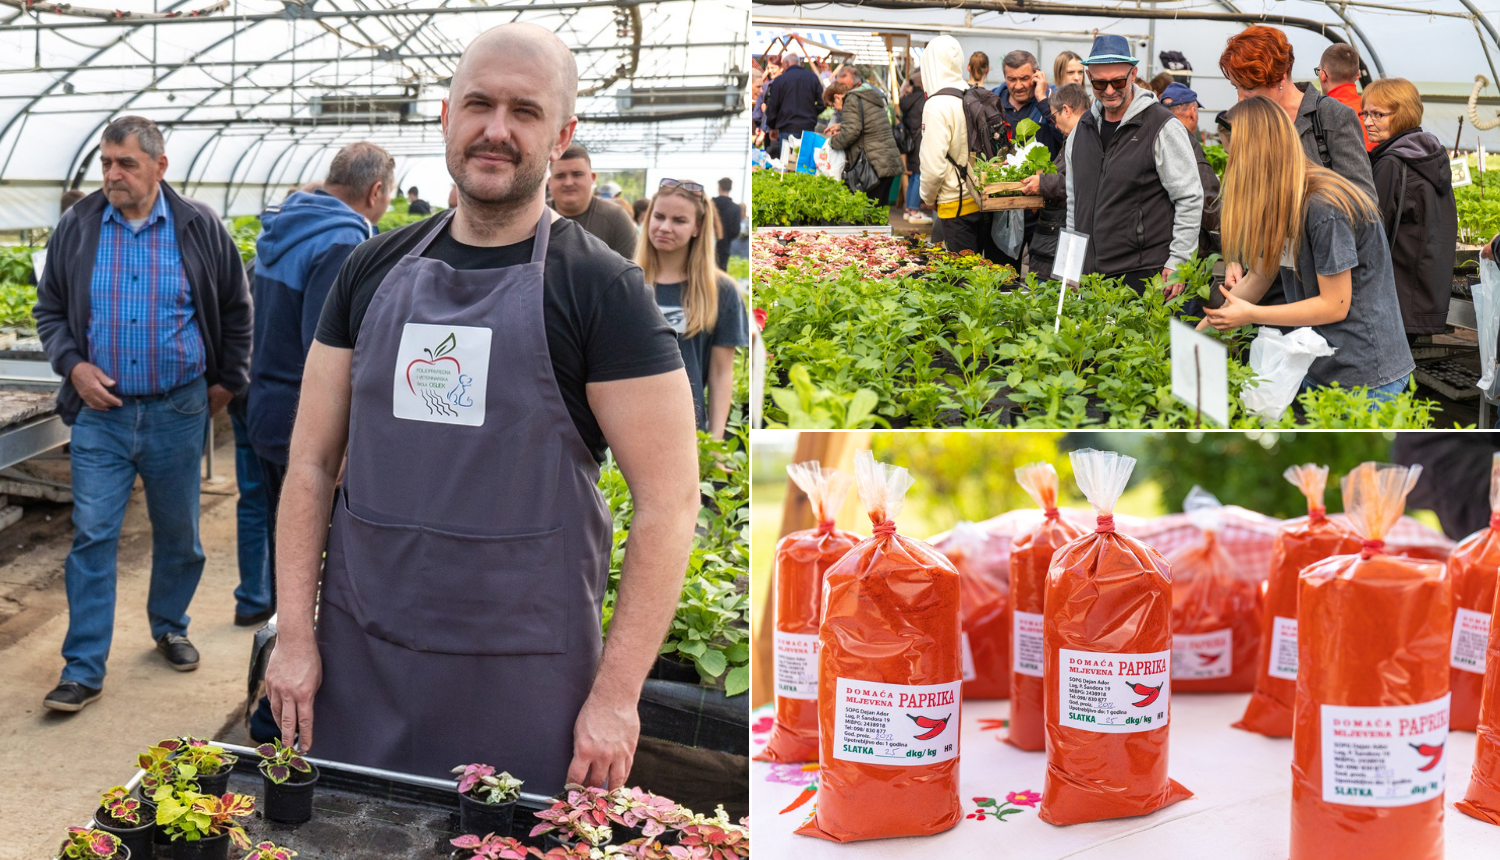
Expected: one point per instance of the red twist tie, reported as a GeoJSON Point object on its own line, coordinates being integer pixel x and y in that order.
{"type": "Point", "coordinates": [885, 528]}
{"type": "Point", "coordinates": [825, 527]}
{"type": "Point", "coordinates": [1495, 520]}
{"type": "Point", "coordinates": [1052, 513]}
{"type": "Point", "coordinates": [1372, 547]}
{"type": "Point", "coordinates": [1316, 513]}
{"type": "Point", "coordinates": [1106, 523]}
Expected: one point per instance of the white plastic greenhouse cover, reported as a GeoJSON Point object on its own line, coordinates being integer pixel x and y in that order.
{"type": "Point", "coordinates": [256, 96]}
{"type": "Point", "coordinates": [1440, 45]}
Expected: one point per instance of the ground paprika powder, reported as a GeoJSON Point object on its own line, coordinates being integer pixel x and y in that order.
{"type": "Point", "coordinates": [890, 679]}
{"type": "Point", "coordinates": [799, 564]}
{"type": "Point", "coordinates": [1107, 635]}
{"type": "Point", "coordinates": [1030, 557]}
{"type": "Point", "coordinates": [1299, 543]}
{"type": "Point", "coordinates": [1482, 800]}
{"type": "Point", "coordinates": [1371, 720]}
{"type": "Point", "coordinates": [1216, 608]}
{"type": "Point", "coordinates": [984, 592]}
{"type": "Point", "coordinates": [1472, 569]}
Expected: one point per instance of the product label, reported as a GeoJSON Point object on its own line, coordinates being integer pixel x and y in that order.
{"type": "Point", "coordinates": [969, 672]}
{"type": "Point", "coordinates": [1282, 662]}
{"type": "Point", "coordinates": [1196, 656]}
{"type": "Point", "coordinates": [797, 665]}
{"type": "Point", "coordinates": [893, 724]}
{"type": "Point", "coordinates": [1471, 634]}
{"type": "Point", "coordinates": [1384, 756]}
{"type": "Point", "coordinates": [1114, 693]}
{"type": "Point", "coordinates": [1027, 643]}
{"type": "Point", "coordinates": [441, 373]}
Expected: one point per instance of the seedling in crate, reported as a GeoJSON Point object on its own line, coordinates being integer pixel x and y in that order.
{"type": "Point", "coordinates": [581, 815]}
{"type": "Point", "coordinates": [85, 844]}
{"type": "Point", "coordinates": [279, 762]}
{"type": "Point", "coordinates": [270, 851]}
{"type": "Point", "coordinates": [124, 809]}
{"type": "Point", "coordinates": [480, 782]}
{"type": "Point", "coordinates": [491, 847]}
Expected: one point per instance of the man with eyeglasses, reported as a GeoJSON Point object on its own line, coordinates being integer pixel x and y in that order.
{"type": "Point", "coordinates": [1132, 177]}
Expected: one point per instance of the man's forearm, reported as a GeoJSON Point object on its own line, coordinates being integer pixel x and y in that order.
{"type": "Point", "coordinates": [301, 534]}
{"type": "Point", "coordinates": [651, 578]}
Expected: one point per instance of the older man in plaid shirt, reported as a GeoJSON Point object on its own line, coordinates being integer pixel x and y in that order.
{"type": "Point", "coordinates": [145, 312]}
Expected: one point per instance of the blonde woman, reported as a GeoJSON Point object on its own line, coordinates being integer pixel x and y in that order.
{"type": "Point", "coordinates": [1320, 236]}
{"type": "Point", "coordinates": [699, 301]}
{"type": "Point", "coordinates": [1067, 68]}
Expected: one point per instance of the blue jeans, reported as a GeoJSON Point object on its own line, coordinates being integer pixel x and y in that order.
{"type": "Point", "coordinates": [1378, 394]}
{"type": "Point", "coordinates": [914, 191]}
{"type": "Point", "coordinates": [160, 438]}
{"type": "Point", "coordinates": [254, 525]}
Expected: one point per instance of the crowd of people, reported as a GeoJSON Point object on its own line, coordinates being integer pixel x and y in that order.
{"type": "Point", "coordinates": [359, 369]}
{"type": "Point", "coordinates": [1362, 228]}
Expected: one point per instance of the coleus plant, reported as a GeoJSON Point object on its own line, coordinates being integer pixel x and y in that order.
{"type": "Point", "coordinates": [635, 807]}
{"type": "Point", "coordinates": [186, 815]}
{"type": "Point", "coordinates": [123, 808]}
{"type": "Point", "coordinates": [491, 847]}
{"type": "Point", "coordinates": [178, 762]}
{"type": "Point", "coordinates": [581, 815]}
{"type": "Point", "coordinates": [480, 782]}
{"type": "Point", "coordinates": [85, 844]}
{"type": "Point", "coordinates": [270, 851]}
{"type": "Point", "coordinates": [279, 762]}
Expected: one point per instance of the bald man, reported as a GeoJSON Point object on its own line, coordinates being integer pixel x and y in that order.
{"type": "Point", "coordinates": [473, 368]}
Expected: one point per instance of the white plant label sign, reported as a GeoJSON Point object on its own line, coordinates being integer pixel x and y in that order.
{"type": "Point", "coordinates": [1200, 373]}
{"type": "Point", "coordinates": [1068, 265]}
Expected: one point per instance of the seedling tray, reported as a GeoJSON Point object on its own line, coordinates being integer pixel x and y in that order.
{"type": "Point", "coordinates": [367, 814]}
{"type": "Point", "coordinates": [1450, 378]}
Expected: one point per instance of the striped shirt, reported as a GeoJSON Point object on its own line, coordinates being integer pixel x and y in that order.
{"type": "Point", "coordinates": [141, 327]}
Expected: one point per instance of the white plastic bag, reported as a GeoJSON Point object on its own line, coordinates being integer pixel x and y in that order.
{"type": "Point", "coordinates": [1008, 230]}
{"type": "Point", "coordinates": [1280, 362]}
{"type": "Point", "coordinates": [830, 162]}
{"type": "Point", "coordinates": [1487, 310]}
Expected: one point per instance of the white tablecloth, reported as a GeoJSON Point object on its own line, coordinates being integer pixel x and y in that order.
{"type": "Point", "coordinates": [1241, 810]}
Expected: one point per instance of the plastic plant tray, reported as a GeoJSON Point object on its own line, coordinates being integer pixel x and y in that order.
{"type": "Point", "coordinates": [1449, 378]}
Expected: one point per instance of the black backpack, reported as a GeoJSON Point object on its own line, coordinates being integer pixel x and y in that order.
{"type": "Point", "coordinates": [984, 118]}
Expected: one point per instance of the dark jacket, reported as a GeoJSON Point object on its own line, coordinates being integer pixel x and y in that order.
{"type": "Point", "coordinates": [302, 244]}
{"type": "Point", "coordinates": [793, 101]}
{"type": "Point", "coordinates": [221, 298]}
{"type": "Point", "coordinates": [911, 117]}
{"type": "Point", "coordinates": [1038, 111]}
{"type": "Point", "coordinates": [1341, 130]}
{"type": "Point", "coordinates": [1424, 233]}
{"type": "Point", "coordinates": [866, 126]}
{"type": "Point", "coordinates": [1208, 232]}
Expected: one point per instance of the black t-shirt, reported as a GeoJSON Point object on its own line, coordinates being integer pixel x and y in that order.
{"type": "Point", "coordinates": [731, 329]}
{"type": "Point", "coordinates": [1106, 131]}
{"type": "Point", "coordinates": [602, 320]}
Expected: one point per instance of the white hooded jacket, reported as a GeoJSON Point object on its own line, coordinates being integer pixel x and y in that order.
{"type": "Point", "coordinates": [944, 131]}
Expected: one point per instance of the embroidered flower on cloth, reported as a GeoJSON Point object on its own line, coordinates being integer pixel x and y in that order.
{"type": "Point", "coordinates": [793, 774]}
{"type": "Point", "coordinates": [762, 725]}
{"type": "Point", "coordinates": [1023, 798]}
{"type": "Point", "coordinates": [988, 807]}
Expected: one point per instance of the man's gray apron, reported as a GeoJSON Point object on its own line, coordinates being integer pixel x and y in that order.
{"type": "Point", "coordinates": [469, 551]}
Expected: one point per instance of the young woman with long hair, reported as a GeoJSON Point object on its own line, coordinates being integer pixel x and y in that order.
{"type": "Point", "coordinates": [676, 252]}
{"type": "Point", "coordinates": [1286, 219]}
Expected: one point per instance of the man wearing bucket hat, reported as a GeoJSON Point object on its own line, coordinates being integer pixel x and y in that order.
{"type": "Point", "coordinates": [1143, 212]}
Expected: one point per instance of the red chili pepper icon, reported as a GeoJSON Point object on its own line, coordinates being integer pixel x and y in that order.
{"type": "Point", "coordinates": [1149, 692]}
{"type": "Point", "coordinates": [1428, 749]}
{"type": "Point", "coordinates": [1209, 659]}
{"type": "Point", "coordinates": [933, 727]}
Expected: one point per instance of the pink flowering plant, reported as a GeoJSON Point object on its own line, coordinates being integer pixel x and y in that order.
{"type": "Point", "coordinates": [491, 847]}
{"type": "Point", "coordinates": [85, 844]}
{"type": "Point", "coordinates": [718, 837]}
{"type": "Point", "coordinates": [634, 807]}
{"type": "Point", "coordinates": [123, 808]}
{"type": "Point", "coordinates": [581, 815]}
{"type": "Point", "coordinates": [480, 782]}
{"type": "Point", "coordinates": [279, 763]}
{"type": "Point", "coordinates": [270, 851]}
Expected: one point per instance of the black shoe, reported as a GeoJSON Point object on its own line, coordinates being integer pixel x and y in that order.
{"type": "Point", "coordinates": [253, 620]}
{"type": "Point", "coordinates": [179, 652]}
{"type": "Point", "coordinates": [71, 696]}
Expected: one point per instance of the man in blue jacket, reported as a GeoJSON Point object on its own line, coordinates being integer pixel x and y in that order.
{"type": "Point", "coordinates": [793, 101]}
{"type": "Point", "coordinates": [302, 244]}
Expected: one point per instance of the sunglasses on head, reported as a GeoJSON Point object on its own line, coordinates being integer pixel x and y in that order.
{"type": "Point", "coordinates": [686, 186]}
{"type": "Point", "coordinates": [1117, 83]}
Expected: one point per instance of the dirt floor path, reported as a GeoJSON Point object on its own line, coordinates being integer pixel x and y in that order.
{"type": "Point", "coordinates": [53, 767]}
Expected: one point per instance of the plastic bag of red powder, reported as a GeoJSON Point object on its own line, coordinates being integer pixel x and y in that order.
{"type": "Point", "coordinates": [1107, 635]}
{"type": "Point", "coordinates": [1299, 543]}
{"type": "Point", "coordinates": [1482, 800]}
{"type": "Point", "coordinates": [1030, 557]}
{"type": "Point", "coordinates": [1373, 631]}
{"type": "Point", "coordinates": [889, 679]}
{"type": "Point", "coordinates": [1216, 608]}
{"type": "Point", "coordinates": [801, 560]}
{"type": "Point", "coordinates": [1472, 568]}
{"type": "Point", "coordinates": [984, 600]}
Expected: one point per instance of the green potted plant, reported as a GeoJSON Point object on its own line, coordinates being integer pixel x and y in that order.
{"type": "Point", "coordinates": [184, 763]}
{"type": "Point", "coordinates": [201, 826]}
{"type": "Point", "coordinates": [129, 819]}
{"type": "Point", "coordinates": [489, 847]}
{"type": "Point", "coordinates": [84, 843]}
{"type": "Point", "coordinates": [581, 815]}
{"type": "Point", "coordinates": [486, 800]}
{"type": "Point", "coordinates": [289, 780]}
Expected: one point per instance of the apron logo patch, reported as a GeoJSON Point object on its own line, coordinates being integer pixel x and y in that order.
{"type": "Point", "coordinates": [441, 373]}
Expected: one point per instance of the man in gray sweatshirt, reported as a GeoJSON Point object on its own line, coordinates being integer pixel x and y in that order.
{"type": "Point", "coordinates": [1132, 176]}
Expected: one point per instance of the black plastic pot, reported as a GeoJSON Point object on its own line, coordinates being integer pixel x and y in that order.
{"type": "Point", "coordinates": [676, 671]}
{"type": "Point", "coordinates": [289, 802]}
{"type": "Point", "coordinates": [137, 839]}
{"type": "Point", "coordinates": [212, 848]}
{"type": "Point", "coordinates": [215, 784]}
{"type": "Point", "coordinates": [482, 819]}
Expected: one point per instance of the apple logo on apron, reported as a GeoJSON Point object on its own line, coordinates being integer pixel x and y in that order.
{"type": "Point", "coordinates": [441, 374]}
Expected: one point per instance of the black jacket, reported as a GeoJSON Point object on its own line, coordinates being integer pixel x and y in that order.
{"type": "Point", "coordinates": [793, 101]}
{"type": "Point", "coordinates": [1424, 232]}
{"type": "Point", "coordinates": [911, 117]}
{"type": "Point", "coordinates": [1122, 205]}
{"type": "Point", "coordinates": [221, 296]}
